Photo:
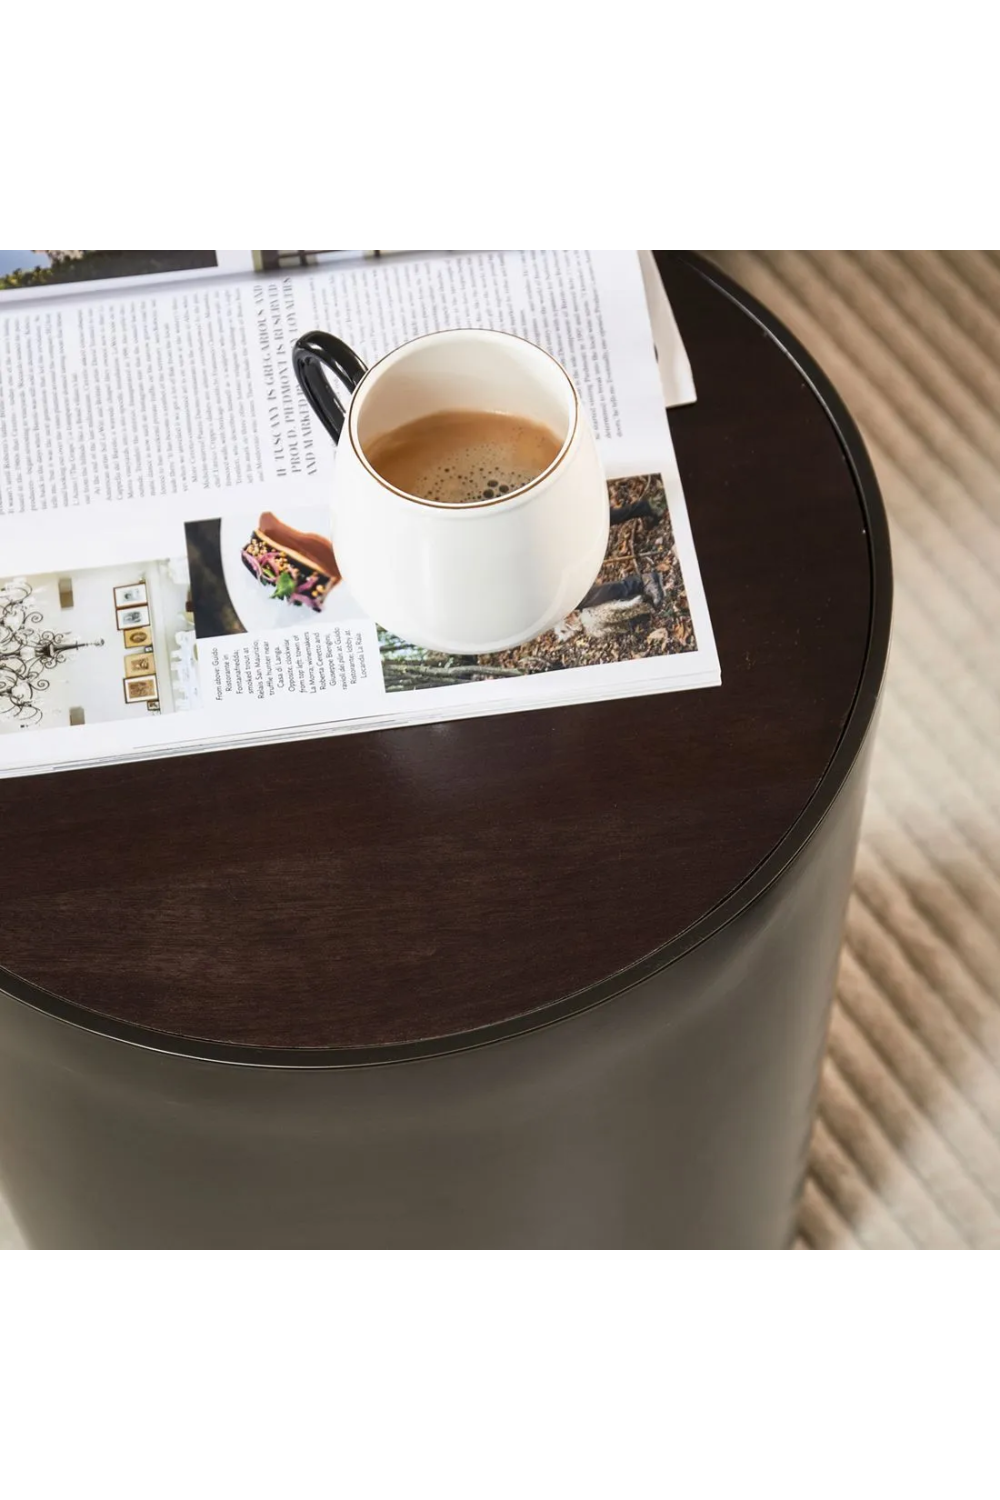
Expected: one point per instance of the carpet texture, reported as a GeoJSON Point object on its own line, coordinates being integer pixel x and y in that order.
{"type": "Point", "coordinates": [906, 1152]}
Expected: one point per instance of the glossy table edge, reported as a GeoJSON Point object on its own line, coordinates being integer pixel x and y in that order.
{"type": "Point", "coordinates": [852, 739]}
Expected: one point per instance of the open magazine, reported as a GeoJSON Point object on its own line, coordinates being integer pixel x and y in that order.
{"type": "Point", "coordinates": [165, 495]}
{"type": "Point", "coordinates": [25, 274]}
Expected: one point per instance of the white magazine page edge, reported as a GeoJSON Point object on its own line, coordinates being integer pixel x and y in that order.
{"type": "Point", "coordinates": [676, 376]}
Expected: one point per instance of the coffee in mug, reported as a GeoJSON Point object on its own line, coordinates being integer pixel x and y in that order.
{"type": "Point", "coordinates": [469, 507]}
{"type": "Point", "coordinates": [464, 457]}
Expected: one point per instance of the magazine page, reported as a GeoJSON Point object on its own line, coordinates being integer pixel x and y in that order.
{"type": "Point", "coordinates": [102, 659]}
{"type": "Point", "coordinates": [189, 390]}
{"type": "Point", "coordinates": [27, 275]}
{"type": "Point", "coordinates": [160, 633]}
{"type": "Point", "coordinates": [147, 642]}
{"type": "Point", "coordinates": [672, 360]}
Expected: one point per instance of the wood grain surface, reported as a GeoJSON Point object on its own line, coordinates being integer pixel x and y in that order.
{"type": "Point", "coordinates": [420, 883]}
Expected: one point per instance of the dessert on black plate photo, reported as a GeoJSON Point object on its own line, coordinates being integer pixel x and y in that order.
{"type": "Point", "coordinates": [265, 571]}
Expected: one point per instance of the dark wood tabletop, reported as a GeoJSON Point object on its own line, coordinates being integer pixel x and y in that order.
{"type": "Point", "coordinates": [494, 872]}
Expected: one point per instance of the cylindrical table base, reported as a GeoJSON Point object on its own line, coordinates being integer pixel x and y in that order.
{"type": "Point", "coordinates": [677, 1114]}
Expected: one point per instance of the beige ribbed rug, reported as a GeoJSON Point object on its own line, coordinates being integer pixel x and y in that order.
{"type": "Point", "coordinates": [907, 1146]}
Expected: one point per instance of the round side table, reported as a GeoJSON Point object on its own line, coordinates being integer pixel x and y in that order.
{"type": "Point", "coordinates": [551, 979]}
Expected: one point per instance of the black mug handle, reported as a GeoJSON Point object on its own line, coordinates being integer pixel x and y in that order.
{"type": "Point", "coordinates": [314, 350]}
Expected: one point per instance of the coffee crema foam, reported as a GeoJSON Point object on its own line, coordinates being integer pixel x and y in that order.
{"type": "Point", "coordinates": [463, 457]}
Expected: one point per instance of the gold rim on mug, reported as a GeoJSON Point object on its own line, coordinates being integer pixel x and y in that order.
{"type": "Point", "coordinates": [469, 504]}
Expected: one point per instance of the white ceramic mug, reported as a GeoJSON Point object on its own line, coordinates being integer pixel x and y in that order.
{"type": "Point", "coordinates": [468, 578]}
